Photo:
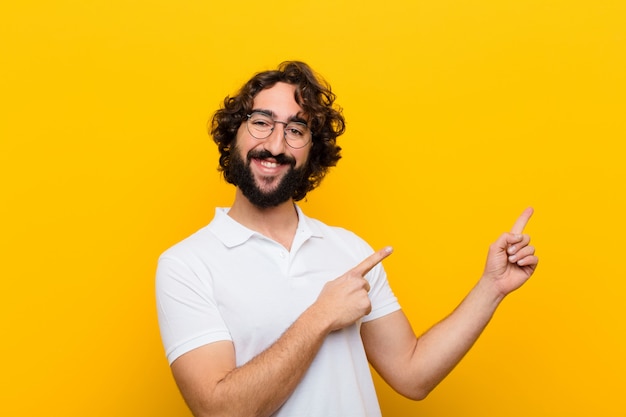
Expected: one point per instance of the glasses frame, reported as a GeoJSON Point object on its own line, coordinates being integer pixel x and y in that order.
{"type": "Point", "coordinates": [285, 124]}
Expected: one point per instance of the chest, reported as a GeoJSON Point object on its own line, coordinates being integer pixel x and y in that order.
{"type": "Point", "coordinates": [261, 292]}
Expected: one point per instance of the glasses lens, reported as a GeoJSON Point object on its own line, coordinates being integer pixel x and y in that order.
{"type": "Point", "coordinates": [260, 125]}
{"type": "Point", "coordinates": [297, 134]}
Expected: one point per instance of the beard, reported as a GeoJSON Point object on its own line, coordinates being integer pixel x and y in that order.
{"type": "Point", "coordinates": [241, 175]}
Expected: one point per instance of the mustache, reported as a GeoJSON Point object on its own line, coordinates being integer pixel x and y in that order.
{"type": "Point", "coordinates": [265, 154]}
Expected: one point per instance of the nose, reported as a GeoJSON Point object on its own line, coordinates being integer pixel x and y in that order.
{"type": "Point", "coordinates": [275, 142]}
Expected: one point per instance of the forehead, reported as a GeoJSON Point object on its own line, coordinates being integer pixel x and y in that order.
{"type": "Point", "coordinates": [279, 99]}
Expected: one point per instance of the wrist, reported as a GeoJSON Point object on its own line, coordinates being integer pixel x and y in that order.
{"type": "Point", "coordinates": [316, 320]}
{"type": "Point", "coordinates": [488, 288]}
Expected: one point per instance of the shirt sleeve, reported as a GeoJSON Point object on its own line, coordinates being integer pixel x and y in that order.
{"type": "Point", "coordinates": [187, 312]}
{"type": "Point", "coordinates": [381, 295]}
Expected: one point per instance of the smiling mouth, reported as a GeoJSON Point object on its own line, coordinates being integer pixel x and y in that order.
{"type": "Point", "coordinates": [269, 164]}
{"type": "Point", "coordinates": [267, 160]}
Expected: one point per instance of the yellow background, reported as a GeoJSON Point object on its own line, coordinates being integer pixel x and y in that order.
{"type": "Point", "coordinates": [460, 114]}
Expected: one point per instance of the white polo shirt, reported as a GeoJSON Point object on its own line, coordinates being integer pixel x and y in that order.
{"type": "Point", "coordinates": [227, 282]}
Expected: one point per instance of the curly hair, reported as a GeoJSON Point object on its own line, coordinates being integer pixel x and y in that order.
{"type": "Point", "coordinates": [315, 97]}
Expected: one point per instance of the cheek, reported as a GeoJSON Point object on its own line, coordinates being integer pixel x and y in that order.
{"type": "Point", "coordinates": [301, 155]}
{"type": "Point", "coordinates": [243, 141]}
{"type": "Point", "coordinates": [241, 135]}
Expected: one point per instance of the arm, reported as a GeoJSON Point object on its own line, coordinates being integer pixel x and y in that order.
{"type": "Point", "coordinates": [212, 385]}
{"type": "Point", "coordinates": [414, 366]}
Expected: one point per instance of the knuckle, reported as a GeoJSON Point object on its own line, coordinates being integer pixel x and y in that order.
{"type": "Point", "coordinates": [368, 308]}
{"type": "Point", "coordinates": [351, 274]}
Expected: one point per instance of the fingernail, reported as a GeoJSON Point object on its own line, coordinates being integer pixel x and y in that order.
{"type": "Point", "coordinates": [511, 249]}
{"type": "Point", "coordinates": [388, 249]}
{"type": "Point", "coordinates": [512, 258]}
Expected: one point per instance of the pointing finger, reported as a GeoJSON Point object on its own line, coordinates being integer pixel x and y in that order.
{"type": "Point", "coordinates": [371, 261]}
{"type": "Point", "coordinates": [520, 224]}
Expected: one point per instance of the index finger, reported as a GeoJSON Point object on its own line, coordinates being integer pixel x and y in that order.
{"type": "Point", "coordinates": [371, 261]}
{"type": "Point", "coordinates": [520, 224]}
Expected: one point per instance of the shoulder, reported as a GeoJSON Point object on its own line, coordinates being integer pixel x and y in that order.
{"type": "Point", "coordinates": [208, 239]}
{"type": "Point", "coordinates": [338, 236]}
{"type": "Point", "coordinates": [193, 244]}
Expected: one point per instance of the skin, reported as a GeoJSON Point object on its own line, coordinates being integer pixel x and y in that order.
{"type": "Point", "coordinates": [211, 383]}
{"type": "Point", "coordinates": [280, 222]}
{"type": "Point", "coordinates": [414, 366]}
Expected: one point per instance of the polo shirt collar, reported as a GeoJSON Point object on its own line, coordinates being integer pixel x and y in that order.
{"type": "Point", "coordinates": [231, 233]}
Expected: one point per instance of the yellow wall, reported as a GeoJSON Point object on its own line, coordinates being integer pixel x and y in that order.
{"type": "Point", "coordinates": [460, 114]}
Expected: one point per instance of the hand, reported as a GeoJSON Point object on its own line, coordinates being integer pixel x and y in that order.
{"type": "Point", "coordinates": [344, 300]}
{"type": "Point", "coordinates": [511, 260]}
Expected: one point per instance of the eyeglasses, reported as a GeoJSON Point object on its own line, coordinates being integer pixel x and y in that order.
{"type": "Point", "coordinates": [260, 125]}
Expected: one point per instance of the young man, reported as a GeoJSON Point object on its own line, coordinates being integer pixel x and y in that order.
{"type": "Point", "coordinates": [267, 312]}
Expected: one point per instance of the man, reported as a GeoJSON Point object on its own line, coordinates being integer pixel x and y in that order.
{"type": "Point", "coordinates": [266, 312]}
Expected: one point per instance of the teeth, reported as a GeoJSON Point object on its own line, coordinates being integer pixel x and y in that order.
{"type": "Point", "coordinates": [269, 164]}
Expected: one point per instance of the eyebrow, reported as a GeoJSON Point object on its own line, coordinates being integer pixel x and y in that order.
{"type": "Point", "coordinates": [270, 113]}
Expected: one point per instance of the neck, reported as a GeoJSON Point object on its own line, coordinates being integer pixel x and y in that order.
{"type": "Point", "coordinates": [278, 223]}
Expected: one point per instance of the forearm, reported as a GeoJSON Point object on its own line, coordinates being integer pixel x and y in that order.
{"type": "Point", "coordinates": [414, 366]}
{"type": "Point", "coordinates": [213, 386]}
{"type": "Point", "coordinates": [441, 348]}
{"type": "Point", "coordinates": [261, 386]}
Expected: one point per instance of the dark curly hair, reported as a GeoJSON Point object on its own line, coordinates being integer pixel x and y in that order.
{"type": "Point", "coordinates": [315, 97]}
